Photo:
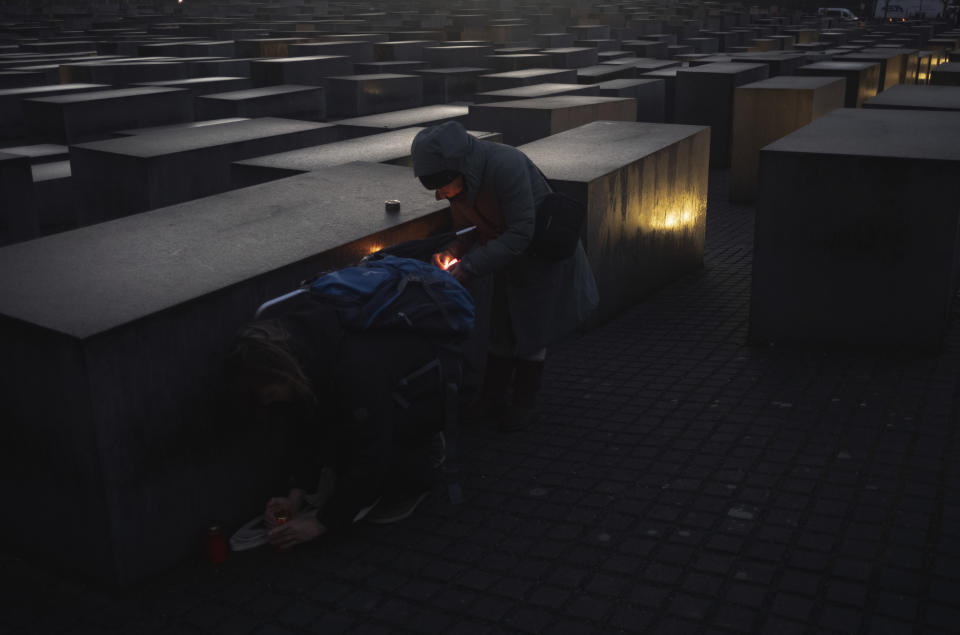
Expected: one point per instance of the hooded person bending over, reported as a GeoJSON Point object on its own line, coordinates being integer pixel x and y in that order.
{"type": "Point", "coordinates": [524, 303]}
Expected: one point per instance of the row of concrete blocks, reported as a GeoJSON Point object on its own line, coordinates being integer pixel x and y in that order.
{"type": "Point", "coordinates": [132, 338]}
{"type": "Point", "coordinates": [855, 243]}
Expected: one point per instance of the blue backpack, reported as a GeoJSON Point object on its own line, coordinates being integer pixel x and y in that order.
{"type": "Point", "coordinates": [397, 293]}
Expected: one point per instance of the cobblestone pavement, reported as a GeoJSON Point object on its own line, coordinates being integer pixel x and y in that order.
{"type": "Point", "coordinates": [686, 482]}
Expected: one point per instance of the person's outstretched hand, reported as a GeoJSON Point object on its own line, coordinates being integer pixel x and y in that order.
{"type": "Point", "coordinates": [295, 531]}
{"type": "Point", "coordinates": [289, 506]}
{"type": "Point", "coordinates": [459, 273]}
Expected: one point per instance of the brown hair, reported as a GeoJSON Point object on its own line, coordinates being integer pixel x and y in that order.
{"type": "Point", "coordinates": [260, 354]}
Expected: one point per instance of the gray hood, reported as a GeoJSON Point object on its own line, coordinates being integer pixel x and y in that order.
{"type": "Point", "coordinates": [448, 146]}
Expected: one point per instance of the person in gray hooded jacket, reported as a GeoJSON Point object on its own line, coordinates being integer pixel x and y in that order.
{"type": "Point", "coordinates": [524, 303]}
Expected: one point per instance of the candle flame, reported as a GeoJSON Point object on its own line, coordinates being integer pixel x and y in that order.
{"type": "Point", "coordinates": [449, 262]}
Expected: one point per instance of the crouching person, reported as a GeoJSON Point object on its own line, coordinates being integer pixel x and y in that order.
{"type": "Point", "coordinates": [354, 453]}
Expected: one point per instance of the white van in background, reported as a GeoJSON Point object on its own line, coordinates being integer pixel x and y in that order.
{"type": "Point", "coordinates": [846, 15]}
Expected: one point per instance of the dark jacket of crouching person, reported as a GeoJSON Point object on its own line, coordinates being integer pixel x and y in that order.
{"type": "Point", "coordinates": [352, 447]}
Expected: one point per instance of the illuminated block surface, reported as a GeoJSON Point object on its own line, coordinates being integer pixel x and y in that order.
{"type": "Point", "coordinates": [893, 64]}
{"type": "Point", "coordinates": [136, 173]}
{"type": "Point", "coordinates": [526, 77]}
{"type": "Point", "coordinates": [537, 90]}
{"type": "Point", "coordinates": [526, 120]}
{"type": "Point", "coordinates": [394, 120]}
{"type": "Point", "coordinates": [645, 188]}
{"type": "Point", "coordinates": [129, 320]}
{"type": "Point", "coordinates": [856, 232]}
{"type": "Point", "coordinates": [767, 110]}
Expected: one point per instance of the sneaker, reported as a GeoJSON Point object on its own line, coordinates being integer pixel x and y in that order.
{"type": "Point", "coordinates": [392, 511]}
{"type": "Point", "coordinates": [438, 450]}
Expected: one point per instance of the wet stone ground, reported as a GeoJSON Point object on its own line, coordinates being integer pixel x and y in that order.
{"type": "Point", "coordinates": [684, 482]}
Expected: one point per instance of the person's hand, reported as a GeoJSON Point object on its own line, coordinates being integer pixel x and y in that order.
{"type": "Point", "coordinates": [438, 259]}
{"type": "Point", "coordinates": [459, 273]}
{"type": "Point", "coordinates": [295, 531]}
{"type": "Point", "coordinates": [277, 506]}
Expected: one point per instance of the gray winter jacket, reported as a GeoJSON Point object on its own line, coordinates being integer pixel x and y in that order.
{"type": "Point", "coordinates": [545, 300]}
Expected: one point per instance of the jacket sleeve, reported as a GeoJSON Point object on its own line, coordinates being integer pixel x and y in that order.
{"type": "Point", "coordinates": [511, 181]}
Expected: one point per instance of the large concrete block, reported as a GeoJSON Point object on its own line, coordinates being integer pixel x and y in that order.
{"type": "Point", "coordinates": [705, 96]}
{"type": "Point", "coordinates": [904, 97]}
{"type": "Point", "coordinates": [119, 73]}
{"type": "Point", "coordinates": [473, 55]}
{"type": "Point", "coordinates": [779, 64]}
{"type": "Point", "coordinates": [539, 90]}
{"type": "Point", "coordinates": [139, 449]}
{"type": "Point", "coordinates": [572, 57]}
{"type": "Point", "coordinates": [304, 71]}
{"type": "Point", "coordinates": [398, 50]}
{"type": "Point", "coordinates": [269, 47]}
{"type": "Point", "coordinates": [603, 73]}
{"type": "Point", "coordinates": [856, 232]}
{"type": "Point", "coordinates": [669, 78]}
{"type": "Point", "coordinates": [946, 74]}
{"type": "Point", "coordinates": [18, 216]}
{"type": "Point", "coordinates": [396, 119]}
{"type": "Point", "coordinates": [645, 188]}
{"type": "Point", "coordinates": [286, 100]}
{"type": "Point", "coordinates": [12, 121]}
{"type": "Point", "coordinates": [357, 51]}
{"type": "Point", "coordinates": [514, 79]}
{"type": "Point", "coordinates": [863, 78]}
{"type": "Point", "coordinates": [133, 174]}
{"type": "Point", "coordinates": [198, 86]}
{"type": "Point", "coordinates": [73, 118]}
{"type": "Point", "coordinates": [526, 120]}
{"type": "Point", "coordinates": [767, 110]}
{"type": "Point", "coordinates": [55, 196]}
{"type": "Point", "coordinates": [443, 85]}
{"type": "Point", "coordinates": [893, 64]}
{"type": "Point", "coordinates": [650, 94]}
{"type": "Point", "coordinates": [385, 147]}
{"type": "Point", "coordinates": [357, 95]}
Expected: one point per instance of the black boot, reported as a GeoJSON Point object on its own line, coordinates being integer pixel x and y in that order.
{"type": "Point", "coordinates": [522, 413]}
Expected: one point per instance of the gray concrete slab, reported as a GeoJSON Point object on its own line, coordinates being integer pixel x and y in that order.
{"type": "Point", "coordinates": [177, 126]}
{"type": "Point", "coordinates": [516, 62]}
{"type": "Point", "coordinates": [645, 188]}
{"type": "Point", "coordinates": [571, 56]}
{"type": "Point", "coordinates": [905, 97]}
{"type": "Point", "coordinates": [539, 90]}
{"type": "Point", "coordinates": [946, 74]}
{"type": "Point", "coordinates": [55, 196]}
{"type": "Point", "coordinates": [169, 286]}
{"type": "Point", "coordinates": [782, 64]}
{"type": "Point", "coordinates": [457, 56]}
{"type": "Point", "coordinates": [602, 73]}
{"type": "Point", "coordinates": [514, 79]}
{"type": "Point", "coordinates": [304, 71]}
{"type": "Point", "coordinates": [857, 224]}
{"type": "Point", "coordinates": [385, 147]}
{"type": "Point", "coordinates": [77, 117]}
{"type": "Point", "coordinates": [357, 50]}
{"type": "Point", "coordinates": [358, 95]}
{"type": "Point", "coordinates": [39, 153]}
{"type": "Point", "coordinates": [863, 78]}
{"type": "Point", "coordinates": [12, 120]}
{"type": "Point", "coordinates": [18, 217]}
{"type": "Point", "coordinates": [286, 100]}
{"type": "Point", "coordinates": [526, 120]}
{"type": "Point", "coordinates": [767, 110]}
{"type": "Point", "coordinates": [705, 96]}
{"type": "Point", "coordinates": [128, 175]}
{"type": "Point", "coordinates": [650, 94]}
{"type": "Point", "coordinates": [445, 85]}
{"type": "Point", "coordinates": [393, 120]}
